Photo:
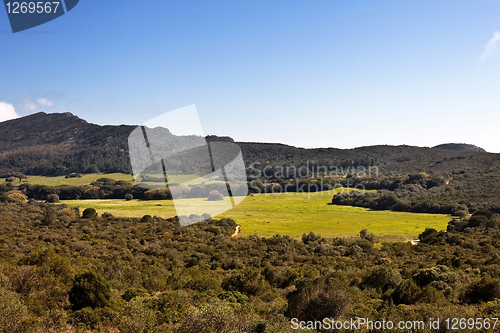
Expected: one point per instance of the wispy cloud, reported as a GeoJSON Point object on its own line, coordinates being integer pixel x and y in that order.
{"type": "Point", "coordinates": [492, 47]}
{"type": "Point", "coordinates": [7, 111]}
{"type": "Point", "coordinates": [29, 105]}
{"type": "Point", "coordinates": [45, 102]}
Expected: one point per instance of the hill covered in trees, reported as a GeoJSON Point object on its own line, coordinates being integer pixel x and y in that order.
{"type": "Point", "coordinates": [61, 143]}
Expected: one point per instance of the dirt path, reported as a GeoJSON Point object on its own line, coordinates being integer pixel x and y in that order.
{"type": "Point", "coordinates": [236, 233]}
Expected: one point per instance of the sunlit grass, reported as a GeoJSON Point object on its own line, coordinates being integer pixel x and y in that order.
{"type": "Point", "coordinates": [287, 214]}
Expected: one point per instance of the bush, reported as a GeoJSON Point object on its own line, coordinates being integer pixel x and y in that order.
{"type": "Point", "coordinates": [382, 278]}
{"type": "Point", "coordinates": [17, 197]}
{"type": "Point", "coordinates": [320, 298]}
{"type": "Point", "coordinates": [487, 289]}
{"type": "Point", "coordinates": [128, 196]}
{"type": "Point", "coordinates": [215, 196]}
{"type": "Point", "coordinates": [407, 292]}
{"type": "Point", "coordinates": [89, 290]}
{"type": "Point", "coordinates": [147, 218]}
{"type": "Point", "coordinates": [89, 213]}
{"type": "Point", "coordinates": [107, 215]}
{"type": "Point", "coordinates": [131, 293]}
{"type": "Point", "coordinates": [52, 198]}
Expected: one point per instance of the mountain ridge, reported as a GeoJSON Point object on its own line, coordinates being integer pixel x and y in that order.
{"type": "Point", "coordinates": [62, 143]}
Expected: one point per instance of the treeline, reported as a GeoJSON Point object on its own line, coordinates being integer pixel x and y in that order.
{"type": "Point", "coordinates": [61, 272]}
{"type": "Point", "coordinates": [107, 188]}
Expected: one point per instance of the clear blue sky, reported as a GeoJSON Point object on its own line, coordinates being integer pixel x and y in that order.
{"type": "Point", "coordinates": [307, 73]}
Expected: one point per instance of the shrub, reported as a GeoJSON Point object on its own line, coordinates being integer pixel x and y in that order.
{"type": "Point", "coordinates": [137, 317]}
{"type": "Point", "coordinates": [319, 298]}
{"type": "Point", "coordinates": [147, 218]}
{"type": "Point", "coordinates": [407, 292]}
{"type": "Point", "coordinates": [13, 312]}
{"type": "Point", "coordinates": [49, 217]}
{"type": "Point", "coordinates": [52, 198]}
{"type": "Point", "coordinates": [131, 293]}
{"type": "Point", "coordinates": [89, 213]}
{"type": "Point", "coordinates": [382, 278]}
{"type": "Point", "coordinates": [128, 196]}
{"type": "Point", "coordinates": [107, 215]}
{"type": "Point", "coordinates": [215, 196]}
{"type": "Point", "coordinates": [89, 290]}
{"type": "Point", "coordinates": [17, 197]}
{"type": "Point", "coordinates": [487, 289]}
{"type": "Point", "coordinates": [248, 281]}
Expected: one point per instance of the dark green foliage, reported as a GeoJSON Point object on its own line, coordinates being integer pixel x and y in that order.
{"type": "Point", "coordinates": [233, 297]}
{"type": "Point", "coordinates": [172, 279]}
{"type": "Point", "coordinates": [52, 198]}
{"type": "Point", "coordinates": [407, 292]}
{"type": "Point", "coordinates": [129, 294]}
{"type": "Point", "coordinates": [89, 213]}
{"type": "Point", "coordinates": [146, 218]}
{"type": "Point", "coordinates": [248, 281]}
{"type": "Point", "coordinates": [383, 278]}
{"type": "Point", "coordinates": [89, 289]}
{"type": "Point", "coordinates": [320, 298]}
{"type": "Point", "coordinates": [484, 290]}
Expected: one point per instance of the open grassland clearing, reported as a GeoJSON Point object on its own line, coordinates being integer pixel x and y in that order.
{"type": "Point", "coordinates": [90, 178]}
{"type": "Point", "coordinates": [84, 180]}
{"type": "Point", "coordinates": [287, 214]}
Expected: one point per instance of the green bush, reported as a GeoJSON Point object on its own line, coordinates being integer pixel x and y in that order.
{"type": "Point", "coordinates": [382, 278]}
{"type": "Point", "coordinates": [89, 290]}
{"type": "Point", "coordinates": [484, 290]}
{"type": "Point", "coordinates": [89, 213]}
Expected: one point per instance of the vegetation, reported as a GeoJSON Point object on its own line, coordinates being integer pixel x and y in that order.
{"type": "Point", "coordinates": [286, 214]}
{"type": "Point", "coordinates": [115, 274]}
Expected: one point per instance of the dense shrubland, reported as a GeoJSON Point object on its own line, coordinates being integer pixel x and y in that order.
{"type": "Point", "coordinates": [62, 272]}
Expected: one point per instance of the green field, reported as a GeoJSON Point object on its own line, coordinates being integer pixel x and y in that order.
{"type": "Point", "coordinates": [89, 178]}
{"type": "Point", "coordinates": [287, 214]}
{"type": "Point", "coordinates": [84, 180]}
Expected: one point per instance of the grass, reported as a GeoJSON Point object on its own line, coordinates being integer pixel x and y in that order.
{"type": "Point", "coordinates": [84, 180]}
{"type": "Point", "coordinates": [287, 214]}
{"type": "Point", "coordinates": [89, 178]}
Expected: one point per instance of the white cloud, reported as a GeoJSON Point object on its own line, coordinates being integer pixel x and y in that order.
{"type": "Point", "coordinates": [492, 47]}
{"type": "Point", "coordinates": [45, 102]}
{"type": "Point", "coordinates": [28, 105]}
{"type": "Point", "coordinates": [7, 111]}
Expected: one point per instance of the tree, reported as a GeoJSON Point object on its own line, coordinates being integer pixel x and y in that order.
{"type": "Point", "coordinates": [215, 196]}
{"type": "Point", "coordinates": [21, 176]}
{"type": "Point", "coordinates": [89, 290]}
{"type": "Point", "coordinates": [52, 198]}
{"type": "Point", "coordinates": [89, 213]}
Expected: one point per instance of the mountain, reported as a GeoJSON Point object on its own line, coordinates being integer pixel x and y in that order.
{"type": "Point", "coordinates": [61, 143]}
{"type": "Point", "coordinates": [461, 147]}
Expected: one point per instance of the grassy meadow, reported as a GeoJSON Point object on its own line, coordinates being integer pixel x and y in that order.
{"type": "Point", "coordinates": [89, 178]}
{"type": "Point", "coordinates": [84, 180]}
{"type": "Point", "coordinates": [287, 214]}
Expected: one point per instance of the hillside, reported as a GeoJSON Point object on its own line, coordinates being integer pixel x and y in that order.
{"type": "Point", "coordinates": [61, 143]}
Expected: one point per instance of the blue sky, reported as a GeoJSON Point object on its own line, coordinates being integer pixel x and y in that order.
{"type": "Point", "coordinates": [306, 73]}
